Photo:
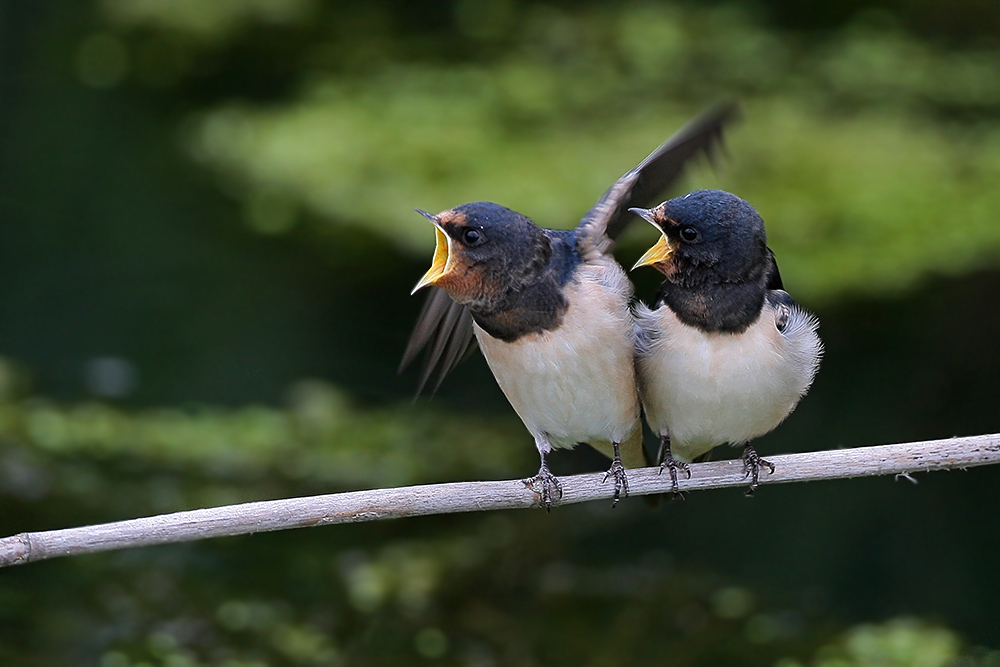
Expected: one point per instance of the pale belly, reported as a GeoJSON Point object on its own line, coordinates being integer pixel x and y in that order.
{"type": "Point", "coordinates": [576, 383]}
{"type": "Point", "coordinates": [706, 389]}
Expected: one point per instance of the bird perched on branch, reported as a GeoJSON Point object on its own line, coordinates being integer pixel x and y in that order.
{"type": "Point", "coordinates": [725, 354]}
{"type": "Point", "coordinates": [550, 310]}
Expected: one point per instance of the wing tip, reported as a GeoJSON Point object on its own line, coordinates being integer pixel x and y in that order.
{"type": "Point", "coordinates": [443, 334]}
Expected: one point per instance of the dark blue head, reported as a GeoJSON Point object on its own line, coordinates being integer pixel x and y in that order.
{"type": "Point", "coordinates": [483, 250]}
{"type": "Point", "coordinates": [709, 236]}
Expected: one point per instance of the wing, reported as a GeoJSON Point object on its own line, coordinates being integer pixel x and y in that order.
{"type": "Point", "coordinates": [645, 184]}
{"type": "Point", "coordinates": [774, 279]}
{"type": "Point", "coordinates": [445, 327]}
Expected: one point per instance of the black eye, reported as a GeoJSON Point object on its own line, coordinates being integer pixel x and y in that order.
{"type": "Point", "coordinates": [472, 237]}
{"type": "Point", "coordinates": [689, 234]}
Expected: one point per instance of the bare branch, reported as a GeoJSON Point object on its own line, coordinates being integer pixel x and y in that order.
{"type": "Point", "coordinates": [377, 504]}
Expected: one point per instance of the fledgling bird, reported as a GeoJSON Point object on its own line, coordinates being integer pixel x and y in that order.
{"type": "Point", "coordinates": [725, 354]}
{"type": "Point", "coordinates": [550, 310]}
{"type": "Point", "coordinates": [551, 315]}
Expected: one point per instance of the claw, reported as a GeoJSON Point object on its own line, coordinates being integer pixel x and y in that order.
{"type": "Point", "coordinates": [617, 471]}
{"type": "Point", "coordinates": [549, 482]}
{"type": "Point", "coordinates": [674, 465]}
{"type": "Point", "coordinates": [751, 466]}
{"type": "Point", "coordinates": [668, 461]}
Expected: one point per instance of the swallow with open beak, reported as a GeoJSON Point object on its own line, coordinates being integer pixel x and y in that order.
{"type": "Point", "coordinates": [725, 354]}
{"type": "Point", "coordinates": [551, 311]}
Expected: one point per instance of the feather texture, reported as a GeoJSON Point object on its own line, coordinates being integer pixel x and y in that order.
{"type": "Point", "coordinates": [444, 327]}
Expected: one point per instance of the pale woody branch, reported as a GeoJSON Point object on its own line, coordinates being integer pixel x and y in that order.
{"type": "Point", "coordinates": [357, 506]}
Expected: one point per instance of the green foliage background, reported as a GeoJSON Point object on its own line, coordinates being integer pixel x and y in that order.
{"type": "Point", "coordinates": [206, 248]}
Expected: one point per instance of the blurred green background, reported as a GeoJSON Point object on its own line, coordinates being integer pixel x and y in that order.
{"type": "Point", "coordinates": [207, 242]}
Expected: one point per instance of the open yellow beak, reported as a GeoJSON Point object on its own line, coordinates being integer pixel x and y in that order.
{"type": "Point", "coordinates": [658, 253]}
{"type": "Point", "coordinates": [442, 253]}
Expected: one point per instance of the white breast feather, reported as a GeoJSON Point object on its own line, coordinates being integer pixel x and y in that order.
{"type": "Point", "coordinates": [576, 383]}
{"type": "Point", "coordinates": [706, 389]}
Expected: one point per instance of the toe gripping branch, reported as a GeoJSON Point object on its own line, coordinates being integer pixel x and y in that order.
{"type": "Point", "coordinates": [548, 482]}
{"type": "Point", "coordinates": [668, 461]}
{"type": "Point", "coordinates": [751, 466]}
{"type": "Point", "coordinates": [617, 471]}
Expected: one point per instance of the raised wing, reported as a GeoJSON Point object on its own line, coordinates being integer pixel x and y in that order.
{"type": "Point", "coordinates": [645, 184]}
{"type": "Point", "coordinates": [444, 327]}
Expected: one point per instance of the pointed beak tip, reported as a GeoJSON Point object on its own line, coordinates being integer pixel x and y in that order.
{"type": "Point", "coordinates": [644, 213]}
{"type": "Point", "coordinates": [429, 216]}
{"type": "Point", "coordinates": [642, 261]}
{"type": "Point", "coordinates": [655, 255]}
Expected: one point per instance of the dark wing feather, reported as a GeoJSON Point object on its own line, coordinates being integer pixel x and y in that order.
{"type": "Point", "coordinates": [446, 326]}
{"type": "Point", "coordinates": [646, 183]}
{"type": "Point", "coordinates": [774, 277]}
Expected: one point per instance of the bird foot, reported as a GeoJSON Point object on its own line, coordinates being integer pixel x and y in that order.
{"type": "Point", "coordinates": [751, 466]}
{"type": "Point", "coordinates": [617, 471]}
{"type": "Point", "coordinates": [674, 465]}
{"type": "Point", "coordinates": [549, 483]}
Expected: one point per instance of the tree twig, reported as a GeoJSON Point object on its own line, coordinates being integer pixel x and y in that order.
{"type": "Point", "coordinates": [377, 504]}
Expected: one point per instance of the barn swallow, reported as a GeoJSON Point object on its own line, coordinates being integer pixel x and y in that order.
{"type": "Point", "coordinates": [550, 309]}
{"type": "Point", "coordinates": [725, 354]}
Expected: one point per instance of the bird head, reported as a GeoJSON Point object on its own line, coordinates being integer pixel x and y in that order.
{"type": "Point", "coordinates": [482, 252]}
{"type": "Point", "coordinates": [706, 236]}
